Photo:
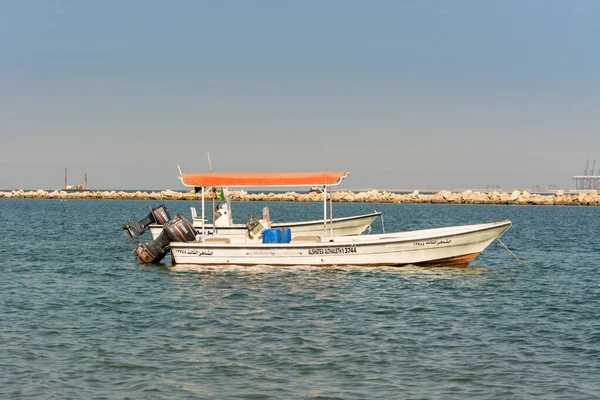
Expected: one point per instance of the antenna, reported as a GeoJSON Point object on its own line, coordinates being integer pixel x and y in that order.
{"type": "Point", "coordinates": [214, 194]}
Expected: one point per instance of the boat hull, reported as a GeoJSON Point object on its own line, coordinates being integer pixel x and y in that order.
{"type": "Point", "coordinates": [348, 226]}
{"type": "Point", "coordinates": [453, 246]}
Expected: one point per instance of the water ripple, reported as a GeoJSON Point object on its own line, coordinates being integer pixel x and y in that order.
{"type": "Point", "coordinates": [81, 319]}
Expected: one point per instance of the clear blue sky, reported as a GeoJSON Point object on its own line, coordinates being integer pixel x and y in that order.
{"type": "Point", "coordinates": [402, 94]}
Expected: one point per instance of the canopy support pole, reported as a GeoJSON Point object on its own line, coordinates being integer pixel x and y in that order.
{"type": "Point", "coordinates": [203, 214]}
{"type": "Point", "coordinates": [324, 211]}
{"type": "Point", "coordinates": [331, 210]}
{"type": "Point", "coordinates": [214, 212]}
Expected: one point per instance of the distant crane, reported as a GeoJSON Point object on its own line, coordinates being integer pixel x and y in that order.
{"type": "Point", "coordinates": [594, 181]}
{"type": "Point", "coordinates": [587, 181]}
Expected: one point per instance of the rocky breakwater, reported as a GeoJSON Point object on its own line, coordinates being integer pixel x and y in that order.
{"type": "Point", "coordinates": [589, 198]}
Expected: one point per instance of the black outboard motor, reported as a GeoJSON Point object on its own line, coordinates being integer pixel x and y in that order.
{"type": "Point", "coordinates": [154, 251]}
{"type": "Point", "coordinates": [177, 229]}
{"type": "Point", "coordinates": [159, 215]}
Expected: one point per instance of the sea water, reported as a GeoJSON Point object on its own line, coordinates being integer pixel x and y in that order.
{"type": "Point", "coordinates": [81, 318]}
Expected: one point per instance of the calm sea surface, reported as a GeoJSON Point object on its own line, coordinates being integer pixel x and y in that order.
{"type": "Point", "coordinates": [80, 318]}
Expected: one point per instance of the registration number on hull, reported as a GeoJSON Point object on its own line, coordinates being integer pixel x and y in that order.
{"type": "Point", "coordinates": [272, 252]}
{"type": "Point", "coordinates": [334, 250]}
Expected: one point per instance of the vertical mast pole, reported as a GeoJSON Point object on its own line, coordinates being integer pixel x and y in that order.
{"type": "Point", "coordinates": [324, 211]}
{"type": "Point", "coordinates": [331, 210]}
{"type": "Point", "coordinates": [65, 178]}
{"type": "Point", "coordinates": [202, 213]}
{"type": "Point", "coordinates": [214, 193]}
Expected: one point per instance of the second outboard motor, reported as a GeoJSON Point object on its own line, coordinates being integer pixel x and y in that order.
{"type": "Point", "coordinates": [180, 229]}
{"type": "Point", "coordinates": [159, 215]}
{"type": "Point", "coordinates": [154, 251]}
{"type": "Point", "coordinates": [177, 229]}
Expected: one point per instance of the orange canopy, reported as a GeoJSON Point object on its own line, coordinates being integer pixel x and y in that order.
{"type": "Point", "coordinates": [263, 179]}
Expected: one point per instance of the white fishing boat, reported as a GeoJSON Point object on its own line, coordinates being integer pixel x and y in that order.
{"type": "Point", "coordinates": [451, 246]}
{"type": "Point", "coordinates": [263, 245]}
{"type": "Point", "coordinates": [237, 233]}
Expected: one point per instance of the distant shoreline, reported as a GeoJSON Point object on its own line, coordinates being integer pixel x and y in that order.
{"type": "Point", "coordinates": [560, 197]}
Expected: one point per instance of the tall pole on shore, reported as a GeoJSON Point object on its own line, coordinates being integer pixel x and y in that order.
{"type": "Point", "coordinates": [85, 179]}
{"type": "Point", "coordinates": [65, 177]}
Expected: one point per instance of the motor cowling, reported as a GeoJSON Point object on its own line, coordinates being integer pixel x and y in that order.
{"type": "Point", "coordinates": [158, 215]}
{"type": "Point", "coordinates": [178, 229]}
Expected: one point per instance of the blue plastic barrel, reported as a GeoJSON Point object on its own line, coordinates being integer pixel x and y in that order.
{"type": "Point", "coordinates": [286, 235]}
{"type": "Point", "coordinates": [272, 236]}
